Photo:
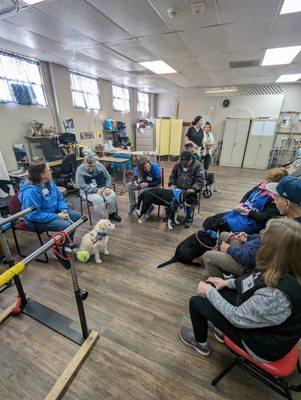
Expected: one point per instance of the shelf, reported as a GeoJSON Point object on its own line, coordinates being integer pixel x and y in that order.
{"type": "Point", "coordinates": [109, 131]}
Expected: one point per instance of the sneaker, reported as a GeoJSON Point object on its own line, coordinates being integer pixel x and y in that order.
{"type": "Point", "coordinates": [149, 212]}
{"type": "Point", "coordinates": [132, 209]}
{"type": "Point", "coordinates": [187, 337]}
{"type": "Point", "coordinates": [187, 224]}
{"type": "Point", "coordinates": [219, 336]}
{"type": "Point", "coordinates": [114, 217]}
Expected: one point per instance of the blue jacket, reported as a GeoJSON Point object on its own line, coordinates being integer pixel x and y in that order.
{"type": "Point", "coordinates": [245, 255]}
{"type": "Point", "coordinates": [153, 177]}
{"type": "Point", "coordinates": [46, 198]}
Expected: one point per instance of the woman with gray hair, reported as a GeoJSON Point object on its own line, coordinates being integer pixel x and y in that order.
{"type": "Point", "coordinates": [93, 179]}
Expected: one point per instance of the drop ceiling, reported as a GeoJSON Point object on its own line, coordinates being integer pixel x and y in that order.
{"type": "Point", "coordinates": [109, 38]}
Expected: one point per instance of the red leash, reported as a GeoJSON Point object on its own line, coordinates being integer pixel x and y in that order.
{"type": "Point", "coordinates": [60, 239]}
{"type": "Point", "coordinates": [216, 246]}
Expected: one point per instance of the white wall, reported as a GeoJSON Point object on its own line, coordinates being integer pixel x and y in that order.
{"type": "Point", "coordinates": [241, 106]}
{"type": "Point", "coordinates": [15, 118]}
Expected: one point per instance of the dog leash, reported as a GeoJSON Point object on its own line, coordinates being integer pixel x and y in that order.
{"type": "Point", "coordinates": [165, 201]}
{"type": "Point", "coordinates": [216, 246]}
{"type": "Point", "coordinates": [99, 236]}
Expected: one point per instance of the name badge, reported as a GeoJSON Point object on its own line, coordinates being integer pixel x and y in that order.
{"type": "Point", "coordinates": [149, 178]}
{"type": "Point", "coordinates": [45, 191]}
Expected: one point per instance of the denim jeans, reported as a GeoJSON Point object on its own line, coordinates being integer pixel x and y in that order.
{"type": "Point", "coordinates": [57, 224]}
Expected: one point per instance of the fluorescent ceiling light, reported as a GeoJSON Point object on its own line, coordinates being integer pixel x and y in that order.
{"type": "Point", "coordinates": [30, 2]}
{"type": "Point", "coordinates": [290, 6]}
{"type": "Point", "coordinates": [289, 78]}
{"type": "Point", "coordinates": [219, 91]}
{"type": "Point", "coordinates": [158, 67]}
{"type": "Point", "coordinates": [280, 55]}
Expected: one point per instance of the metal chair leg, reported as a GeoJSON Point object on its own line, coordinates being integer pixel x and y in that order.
{"type": "Point", "coordinates": [16, 241]}
{"type": "Point", "coordinates": [224, 372]}
{"type": "Point", "coordinates": [45, 254]}
{"type": "Point", "coordinates": [89, 212]}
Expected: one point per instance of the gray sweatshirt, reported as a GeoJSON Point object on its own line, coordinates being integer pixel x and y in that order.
{"type": "Point", "coordinates": [267, 307]}
{"type": "Point", "coordinates": [90, 182]}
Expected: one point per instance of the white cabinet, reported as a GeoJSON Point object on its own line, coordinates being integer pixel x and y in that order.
{"type": "Point", "coordinates": [234, 141]}
{"type": "Point", "coordinates": [260, 143]}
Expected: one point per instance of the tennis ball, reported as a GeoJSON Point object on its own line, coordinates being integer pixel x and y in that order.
{"type": "Point", "coordinates": [83, 256]}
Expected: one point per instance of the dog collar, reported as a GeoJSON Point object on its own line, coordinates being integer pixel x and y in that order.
{"type": "Point", "coordinates": [99, 236]}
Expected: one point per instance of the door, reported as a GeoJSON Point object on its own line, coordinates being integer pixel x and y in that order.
{"type": "Point", "coordinates": [162, 136]}
{"type": "Point", "coordinates": [234, 141]}
{"type": "Point", "coordinates": [175, 137]}
{"type": "Point", "coordinates": [259, 144]}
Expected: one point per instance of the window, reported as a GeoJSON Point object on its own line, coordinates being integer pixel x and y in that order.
{"type": "Point", "coordinates": [85, 92]}
{"type": "Point", "coordinates": [20, 80]}
{"type": "Point", "coordinates": [121, 98]}
{"type": "Point", "coordinates": [143, 103]}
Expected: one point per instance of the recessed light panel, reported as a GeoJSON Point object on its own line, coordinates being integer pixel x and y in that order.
{"type": "Point", "coordinates": [280, 55]}
{"type": "Point", "coordinates": [158, 67]}
{"type": "Point", "coordinates": [289, 78]}
{"type": "Point", "coordinates": [291, 6]}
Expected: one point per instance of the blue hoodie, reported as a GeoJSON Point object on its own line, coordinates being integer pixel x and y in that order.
{"type": "Point", "coordinates": [153, 177]}
{"type": "Point", "coordinates": [47, 199]}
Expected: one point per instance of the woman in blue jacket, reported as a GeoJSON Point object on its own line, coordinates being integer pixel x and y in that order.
{"type": "Point", "coordinates": [254, 210]}
{"type": "Point", "coordinates": [51, 213]}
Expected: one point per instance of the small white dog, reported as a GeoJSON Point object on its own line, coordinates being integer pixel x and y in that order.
{"type": "Point", "coordinates": [97, 239]}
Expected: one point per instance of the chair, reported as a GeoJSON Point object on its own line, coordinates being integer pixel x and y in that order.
{"type": "Point", "coordinates": [65, 174]}
{"type": "Point", "coordinates": [19, 225]}
{"type": "Point", "coordinates": [89, 204]}
{"type": "Point", "coordinates": [162, 185]}
{"type": "Point", "coordinates": [271, 374]}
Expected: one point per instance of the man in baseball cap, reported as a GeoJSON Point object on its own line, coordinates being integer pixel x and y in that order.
{"type": "Point", "coordinates": [287, 196]}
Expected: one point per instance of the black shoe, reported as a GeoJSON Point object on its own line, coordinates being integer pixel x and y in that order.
{"type": "Point", "coordinates": [114, 217]}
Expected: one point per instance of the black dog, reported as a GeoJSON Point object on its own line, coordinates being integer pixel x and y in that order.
{"type": "Point", "coordinates": [166, 198]}
{"type": "Point", "coordinates": [192, 247]}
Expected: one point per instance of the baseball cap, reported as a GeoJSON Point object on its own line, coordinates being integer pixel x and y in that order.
{"type": "Point", "coordinates": [185, 157]}
{"type": "Point", "coordinates": [289, 187]}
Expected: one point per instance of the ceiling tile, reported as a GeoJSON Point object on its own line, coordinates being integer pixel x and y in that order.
{"type": "Point", "coordinates": [204, 41]}
{"type": "Point", "coordinates": [246, 55]}
{"type": "Point", "coordinates": [212, 61]}
{"type": "Point", "coordinates": [292, 69]}
{"type": "Point", "coordinates": [219, 75]}
{"type": "Point", "coordinates": [286, 31]}
{"type": "Point", "coordinates": [85, 18]}
{"type": "Point", "coordinates": [271, 70]}
{"type": "Point", "coordinates": [184, 64]}
{"type": "Point", "coordinates": [132, 50]}
{"type": "Point", "coordinates": [135, 16]}
{"type": "Point", "coordinates": [262, 79]}
{"type": "Point", "coordinates": [185, 19]}
{"type": "Point", "coordinates": [198, 77]}
{"type": "Point", "coordinates": [166, 46]}
{"type": "Point", "coordinates": [244, 73]}
{"type": "Point", "coordinates": [178, 79]}
{"type": "Point", "coordinates": [244, 10]}
{"type": "Point", "coordinates": [247, 35]}
{"type": "Point", "coordinates": [36, 21]}
{"type": "Point", "coordinates": [244, 81]}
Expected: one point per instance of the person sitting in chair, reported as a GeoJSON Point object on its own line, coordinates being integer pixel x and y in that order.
{"type": "Point", "coordinates": [146, 175]}
{"type": "Point", "coordinates": [39, 190]}
{"type": "Point", "coordinates": [259, 311]}
{"type": "Point", "coordinates": [93, 179]}
{"type": "Point", "coordinates": [187, 174]}
{"type": "Point", "coordinates": [253, 211]}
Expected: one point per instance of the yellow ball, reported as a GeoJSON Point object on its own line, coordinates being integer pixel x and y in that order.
{"type": "Point", "coordinates": [83, 256]}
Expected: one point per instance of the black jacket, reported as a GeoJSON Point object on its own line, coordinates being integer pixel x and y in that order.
{"type": "Point", "coordinates": [193, 178]}
{"type": "Point", "coordinates": [270, 210]}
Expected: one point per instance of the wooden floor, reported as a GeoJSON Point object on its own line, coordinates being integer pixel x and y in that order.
{"type": "Point", "coordinates": [138, 310]}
